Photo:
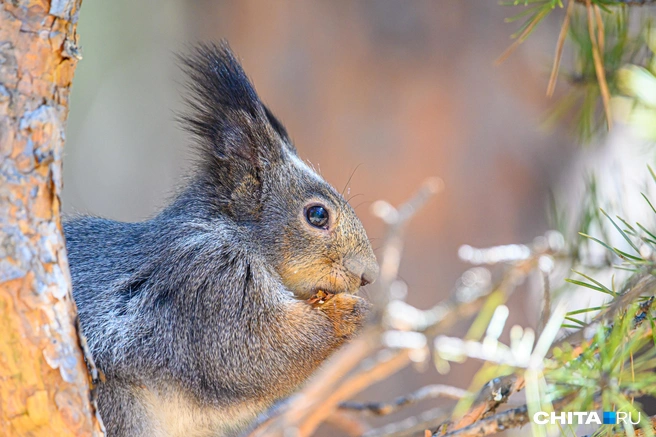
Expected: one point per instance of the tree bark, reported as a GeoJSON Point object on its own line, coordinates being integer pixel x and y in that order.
{"type": "Point", "coordinates": [44, 384]}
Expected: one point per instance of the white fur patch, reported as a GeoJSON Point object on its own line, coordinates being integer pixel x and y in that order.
{"type": "Point", "coordinates": [300, 164]}
{"type": "Point", "coordinates": [174, 415]}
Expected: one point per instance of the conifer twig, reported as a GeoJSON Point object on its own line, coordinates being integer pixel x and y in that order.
{"type": "Point", "coordinates": [645, 284]}
{"type": "Point", "coordinates": [517, 417]}
{"type": "Point", "coordinates": [385, 408]}
{"type": "Point", "coordinates": [493, 394]}
{"type": "Point", "coordinates": [513, 418]}
{"type": "Point", "coordinates": [559, 49]}
{"type": "Point", "coordinates": [412, 426]}
{"type": "Point", "coordinates": [397, 220]}
{"type": "Point", "coordinates": [381, 369]}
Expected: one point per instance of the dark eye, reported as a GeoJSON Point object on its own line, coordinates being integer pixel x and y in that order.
{"type": "Point", "coordinates": [317, 216]}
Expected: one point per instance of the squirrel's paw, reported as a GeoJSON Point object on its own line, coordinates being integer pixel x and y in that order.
{"type": "Point", "coordinates": [347, 313]}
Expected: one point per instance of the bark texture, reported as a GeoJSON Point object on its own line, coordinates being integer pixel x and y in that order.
{"type": "Point", "coordinates": [44, 387]}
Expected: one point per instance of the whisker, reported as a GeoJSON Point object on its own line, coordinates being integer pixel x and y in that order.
{"type": "Point", "coordinates": [350, 177]}
{"type": "Point", "coordinates": [362, 203]}
{"type": "Point", "coordinates": [353, 197]}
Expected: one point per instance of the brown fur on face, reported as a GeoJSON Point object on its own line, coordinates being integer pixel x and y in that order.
{"type": "Point", "coordinates": [306, 278]}
{"type": "Point", "coordinates": [338, 259]}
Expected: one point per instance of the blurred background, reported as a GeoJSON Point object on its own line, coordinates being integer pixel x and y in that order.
{"type": "Point", "coordinates": [384, 92]}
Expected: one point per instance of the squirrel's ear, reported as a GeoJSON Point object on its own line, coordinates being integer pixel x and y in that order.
{"type": "Point", "coordinates": [239, 138]}
{"type": "Point", "coordinates": [226, 116]}
{"type": "Point", "coordinates": [279, 128]}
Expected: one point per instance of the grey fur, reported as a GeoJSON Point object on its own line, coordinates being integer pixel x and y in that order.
{"type": "Point", "coordinates": [196, 316]}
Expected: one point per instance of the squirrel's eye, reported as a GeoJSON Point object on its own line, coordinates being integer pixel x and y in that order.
{"type": "Point", "coordinates": [317, 216]}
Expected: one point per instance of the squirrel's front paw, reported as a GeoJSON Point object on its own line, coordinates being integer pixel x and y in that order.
{"type": "Point", "coordinates": [347, 313]}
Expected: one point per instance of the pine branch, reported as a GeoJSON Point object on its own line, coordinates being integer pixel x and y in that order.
{"type": "Point", "coordinates": [494, 394]}
{"type": "Point", "coordinates": [412, 426]}
{"type": "Point", "coordinates": [516, 418]}
{"type": "Point", "coordinates": [424, 393]}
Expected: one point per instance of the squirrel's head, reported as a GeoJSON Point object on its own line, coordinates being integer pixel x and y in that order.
{"type": "Point", "coordinates": [250, 173]}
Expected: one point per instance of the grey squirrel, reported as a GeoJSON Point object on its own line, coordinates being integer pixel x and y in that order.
{"type": "Point", "coordinates": [202, 317]}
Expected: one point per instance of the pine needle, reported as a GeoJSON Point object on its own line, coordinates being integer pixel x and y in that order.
{"type": "Point", "coordinates": [622, 233]}
{"type": "Point", "coordinates": [559, 49]}
{"type": "Point", "coordinates": [599, 66]}
{"type": "Point", "coordinates": [651, 172]}
{"type": "Point", "coordinates": [600, 29]}
{"type": "Point", "coordinates": [520, 39]}
{"type": "Point", "coordinates": [604, 289]}
{"type": "Point", "coordinates": [647, 199]}
{"type": "Point", "coordinates": [645, 230]}
{"type": "Point", "coordinates": [632, 372]}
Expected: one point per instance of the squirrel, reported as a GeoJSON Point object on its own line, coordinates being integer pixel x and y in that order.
{"type": "Point", "coordinates": [203, 316]}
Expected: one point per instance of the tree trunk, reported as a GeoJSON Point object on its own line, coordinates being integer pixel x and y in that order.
{"type": "Point", "coordinates": [44, 384]}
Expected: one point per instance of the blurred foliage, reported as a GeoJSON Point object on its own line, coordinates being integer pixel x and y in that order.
{"type": "Point", "coordinates": [605, 37]}
{"type": "Point", "coordinates": [607, 357]}
{"type": "Point", "coordinates": [618, 362]}
{"type": "Point", "coordinates": [583, 100]}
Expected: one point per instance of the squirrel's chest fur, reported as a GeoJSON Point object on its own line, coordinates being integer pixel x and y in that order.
{"type": "Point", "coordinates": [175, 415]}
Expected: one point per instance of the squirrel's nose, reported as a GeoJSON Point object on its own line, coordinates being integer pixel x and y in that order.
{"type": "Point", "coordinates": [365, 269]}
{"type": "Point", "coordinates": [369, 275]}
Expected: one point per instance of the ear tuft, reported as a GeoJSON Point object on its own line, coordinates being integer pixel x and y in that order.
{"type": "Point", "coordinates": [221, 97]}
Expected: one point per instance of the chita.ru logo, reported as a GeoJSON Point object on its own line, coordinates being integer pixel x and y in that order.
{"type": "Point", "coordinates": [585, 418]}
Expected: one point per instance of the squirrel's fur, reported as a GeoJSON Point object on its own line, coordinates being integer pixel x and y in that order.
{"type": "Point", "coordinates": [198, 317]}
